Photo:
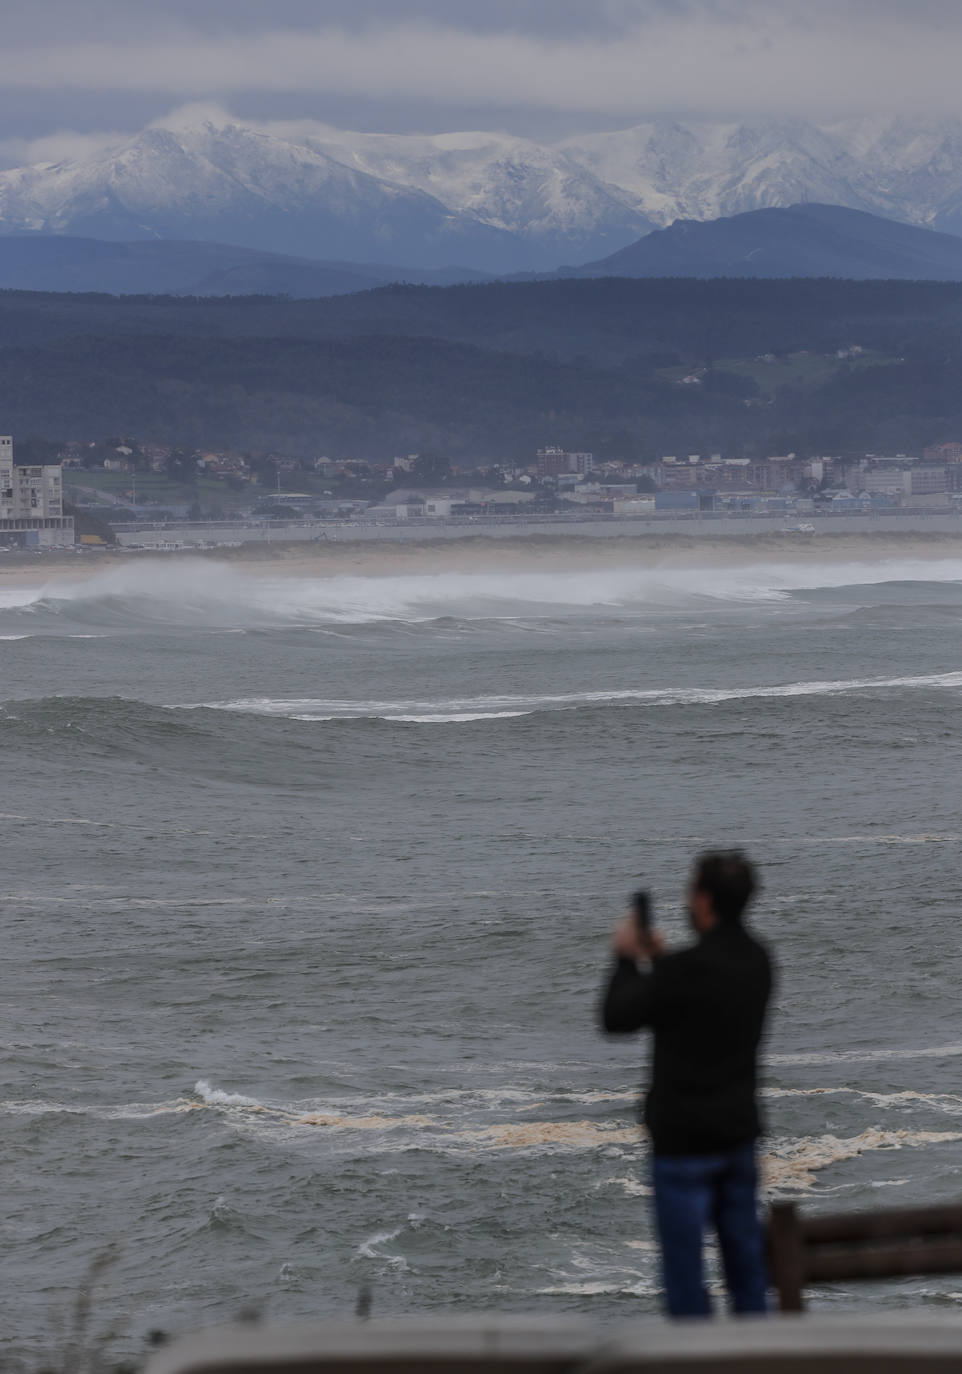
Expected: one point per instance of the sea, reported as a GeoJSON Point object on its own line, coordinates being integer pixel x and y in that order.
{"type": "Point", "coordinates": [306, 890]}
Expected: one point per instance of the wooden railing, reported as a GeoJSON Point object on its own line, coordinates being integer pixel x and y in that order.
{"type": "Point", "coordinates": [860, 1245]}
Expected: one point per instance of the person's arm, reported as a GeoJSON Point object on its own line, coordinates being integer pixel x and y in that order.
{"type": "Point", "coordinates": [629, 1000]}
{"type": "Point", "coordinates": [628, 1003]}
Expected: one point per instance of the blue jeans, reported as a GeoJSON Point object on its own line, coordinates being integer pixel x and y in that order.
{"type": "Point", "coordinates": [693, 1193]}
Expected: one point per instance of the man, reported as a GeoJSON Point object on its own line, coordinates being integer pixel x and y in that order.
{"type": "Point", "coordinates": [706, 1006]}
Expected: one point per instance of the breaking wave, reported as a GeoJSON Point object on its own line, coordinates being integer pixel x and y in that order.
{"type": "Point", "coordinates": [200, 594]}
{"type": "Point", "coordinates": [179, 734]}
{"type": "Point", "coordinates": [464, 709]}
{"type": "Point", "coordinates": [216, 1097]}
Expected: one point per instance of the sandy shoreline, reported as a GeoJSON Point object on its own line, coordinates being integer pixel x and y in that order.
{"type": "Point", "coordinates": [533, 553]}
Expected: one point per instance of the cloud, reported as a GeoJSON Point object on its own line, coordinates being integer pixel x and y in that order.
{"type": "Point", "coordinates": [711, 57]}
{"type": "Point", "coordinates": [154, 18]}
{"type": "Point", "coordinates": [61, 146]}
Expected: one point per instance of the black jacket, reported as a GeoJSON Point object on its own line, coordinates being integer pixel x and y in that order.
{"type": "Point", "coordinates": [706, 1006]}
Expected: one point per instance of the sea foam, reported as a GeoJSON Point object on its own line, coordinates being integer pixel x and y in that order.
{"type": "Point", "coordinates": [468, 709]}
{"type": "Point", "coordinates": [205, 594]}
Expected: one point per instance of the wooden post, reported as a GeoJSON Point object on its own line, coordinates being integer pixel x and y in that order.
{"type": "Point", "coordinates": [785, 1249]}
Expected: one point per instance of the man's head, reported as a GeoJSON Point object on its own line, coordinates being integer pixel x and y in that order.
{"type": "Point", "coordinates": [722, 884]}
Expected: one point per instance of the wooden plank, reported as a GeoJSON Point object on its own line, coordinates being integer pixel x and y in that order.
{"type": "Point", "coordinates": [891, 1222]}
{"type": "Point", "coordinates": [882, 1261]}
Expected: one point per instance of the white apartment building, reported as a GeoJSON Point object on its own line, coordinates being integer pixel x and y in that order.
{"type": "Point", "coordinates": [890, 481]}
{"type": "Point", "coordinates": [920, 480]}
{"type": "Point", "coordinates": [31, 503]}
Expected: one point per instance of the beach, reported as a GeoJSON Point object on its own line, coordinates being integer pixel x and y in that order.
{"type": "Point", "coordinates": [479, 553]}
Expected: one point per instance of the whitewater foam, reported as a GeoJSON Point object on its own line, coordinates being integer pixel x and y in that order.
{"type": "Point", "coordinates": [793, 1164]}
{"type": "Point", "coordinates": [458, 717]}
{"type": "Point", "coordinates": [371, 1249]}
{"type": "Point", "coordinates": [462, 709]}
{"type": "Point", "coordinates": [15, 598]}
{"type": "Point", "coordinates": [866, 1056]}
{"type": "Point", "coordinates": [631, 1187]}
{"type": "Point", "coordinates": [595, 1288]}
{"type": "Point", "coordinates": [578, 1135]}
{"type": "Point", "coordinates": [215, 1097]}
{"type": "Point", "coordinates": [362, 1123]}
{"type": "Point", "coordinates": [205, 594]}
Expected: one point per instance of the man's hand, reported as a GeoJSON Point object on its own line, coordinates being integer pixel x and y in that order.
{"type": "Point", "coordinates": [628, 942]}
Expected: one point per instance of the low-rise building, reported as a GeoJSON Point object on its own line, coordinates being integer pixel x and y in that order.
{"type": "Point", "coordinates": [431, 508]}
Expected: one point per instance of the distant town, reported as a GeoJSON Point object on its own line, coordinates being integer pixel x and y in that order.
{"type": "Point", "coordinates": [136, 494]}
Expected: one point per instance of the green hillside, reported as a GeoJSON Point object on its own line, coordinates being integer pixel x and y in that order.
{"type": "Point", "coordinates": [494, 371]}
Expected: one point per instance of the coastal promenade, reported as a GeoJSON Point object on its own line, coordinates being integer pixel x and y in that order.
{"type": "Point", "coordinates": [706, 526]}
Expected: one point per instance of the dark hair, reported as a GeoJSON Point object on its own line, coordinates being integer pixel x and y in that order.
{"type": "Point", "coordinates": [729, 879]}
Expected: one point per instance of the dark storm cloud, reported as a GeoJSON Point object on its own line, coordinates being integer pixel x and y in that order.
{"type": "Point", "coordinates": [111, 64]}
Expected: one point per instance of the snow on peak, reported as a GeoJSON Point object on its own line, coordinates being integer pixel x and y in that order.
{"type": "Point", "coordinates": [494, 199]}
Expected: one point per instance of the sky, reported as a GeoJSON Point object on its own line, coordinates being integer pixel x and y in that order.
{"type": "Point", "coordinates": [76, 73]}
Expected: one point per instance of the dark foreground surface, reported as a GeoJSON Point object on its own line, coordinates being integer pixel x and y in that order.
{"type": "Point", "coordinates": [821, 1345]}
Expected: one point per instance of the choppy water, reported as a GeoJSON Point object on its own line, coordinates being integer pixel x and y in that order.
{"type": "Point", "coordinates": [305, 893]}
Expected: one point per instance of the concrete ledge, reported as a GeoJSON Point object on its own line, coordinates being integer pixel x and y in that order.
{"type": "Point", "coordinates": [883, 1344]}
{"type": "Point", "coordinates": [897, 1343]}
{"type": "Point", "coordinates": [403, 1346]}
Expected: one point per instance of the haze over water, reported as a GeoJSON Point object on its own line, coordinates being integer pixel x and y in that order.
{"type": "Point", "coordinates": [307, 884]}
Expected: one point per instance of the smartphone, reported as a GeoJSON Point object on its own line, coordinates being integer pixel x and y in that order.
{"type": "Point", "coordinates": [641, 906]}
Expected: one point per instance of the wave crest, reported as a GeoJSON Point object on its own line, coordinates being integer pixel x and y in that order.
{"type": "Point", "coordinates": [466, 709]}
{"type": "Point", "coordinates": [205, 594]}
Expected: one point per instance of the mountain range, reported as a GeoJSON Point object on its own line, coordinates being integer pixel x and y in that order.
{"type": "Point", "coordinates": [806, 240]}
{"type": "Point", "coordinates": [42, 262]}
{"type": "Point", "coordinates": [490, 202]}
{"type": "Point", "coordinates": [233, 184]}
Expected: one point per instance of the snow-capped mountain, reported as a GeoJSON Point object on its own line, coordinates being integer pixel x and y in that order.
{"type": "Point", "coordinates": [239, 185]}
{"type": "Point", "coordinates": [905, 170]}
{"type": "Point", "coordinates": [542, 195]}
{"type": "Point", "coordinates": [489, 201]}
{"type": "Point", "coordinates": [675, 171]}
{"type": "Point", "coordinates": [504, 208]}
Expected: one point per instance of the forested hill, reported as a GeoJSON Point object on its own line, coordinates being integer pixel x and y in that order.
{"type": "Point", "coordinates": [606, 364]}
{"type": "Point", "coordinates": [606, 320]}
{"type": "Point", "coordinates": [808, 240]}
